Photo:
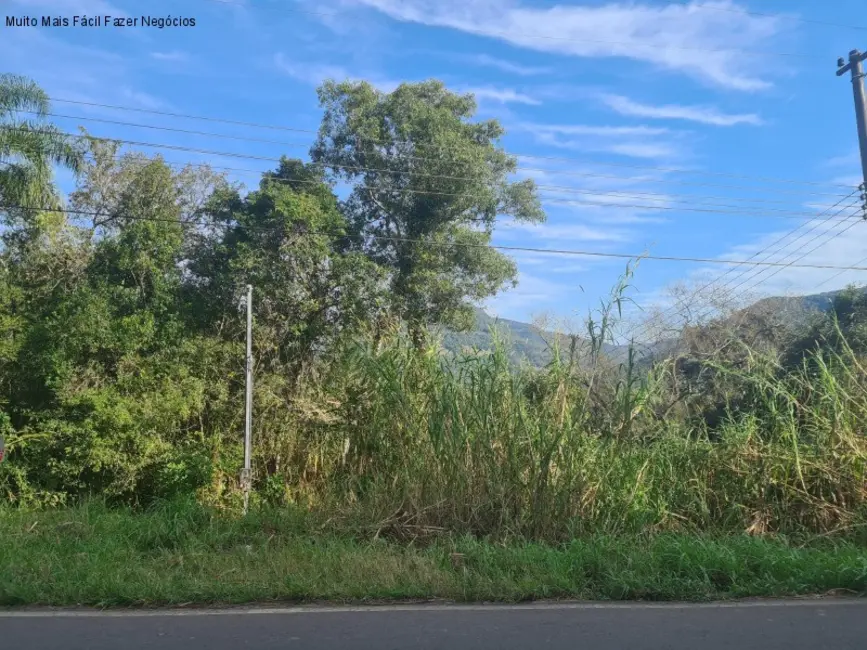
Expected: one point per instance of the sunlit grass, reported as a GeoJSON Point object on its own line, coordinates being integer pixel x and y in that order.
{"type": "Point", "coordinates": [183, 553]}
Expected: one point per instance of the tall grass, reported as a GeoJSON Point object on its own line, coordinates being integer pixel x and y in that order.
{"type": "Point", "coordinates": [388, 441]}
{"type": "Point", "coordinates": [180, 552]}
{"type": "Point", "coordinates": [410, 445]}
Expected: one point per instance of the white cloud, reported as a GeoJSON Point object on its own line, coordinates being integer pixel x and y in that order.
{"type": "Point", "coordinates": [142, 99]}
{"type": "Point", "coordinates": [74, 72]}
{"type": "Point", "coordinates": [707, 45]}
{"type": "Point", "coordinates": [842, 165]}
{"type": "Point", "coordinates": [315, 73]}
{"type": "Point", "coordinates": [500, 95]}
{"type": "Point", "coordinates": [175, 56]}
{"type": "Point", "coordinates": [851, 159]}
{"type": "Point", "coordinates": [534, 294]}
{"type": "Point", "coordinates": [609, 211]}
{"type": "Point", "coordinates": [632, 141]}
{"type": "Point", "coordinates": [73, 7]}
{"type": "Point", "coordinates": [643, 150]}
{"type": "Point", "coordinates": [310, 73]}
{"type": "Point", "coordinates": [594, 193]}
{"type": "Point", "coordinates": [591, 130]}
{"type": "Point", "coordinates": [568, 232]}
{"type": "Point", "coordinates": [852, 181]}
{"type": "Point", "coordinates": [550, 263]}
{"type": "Point", "coordinates": [828, 244]}
{"type": "Point", "coordinates": [701, 114]}
{"type": "Point", "coordinates": [508, 66]}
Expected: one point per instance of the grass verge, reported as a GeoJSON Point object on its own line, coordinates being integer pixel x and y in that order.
{"type": "Point", "coordinates": [92, 555]}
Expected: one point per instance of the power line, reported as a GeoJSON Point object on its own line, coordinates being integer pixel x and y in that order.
{"type": "Point", "coordinates": [838, 274]}
{"type": "Point", "coordinates": [771, 253]}
{"type": "Point", "coordinates": [525, 249]}
{"type": "Point", "coordinates": [649, 196]}
{"type": "Point", "coordinates": [553, 188]}
{"type": "Point", "coordinates": [643, 330]}
{"type": "Point", "coordinates": [782, 267]}
{"type": "Point", "coordinates": [726, 291]}
{"type": "Point", "coordinates": [690, 197]}
{"type": "Point", "coordinates": [139, 125]}
{"type": "Point", "coordinates": [571, 202]}
{"type": "Point", "coordinates": [840, 233]}
{"type": "Point", "coordinates": [857, 218]}
{"type": "Point", "coordinates": [512, 153]}
{"type": "Point", "coordinates": [769, 15]}
{"type": "Point", "coordinates": [636, 179]}
{"type": "Point", "coordinates": [512, 35]}
{"type": "Point", "coordinates": [577, 202]}
{"type": "Point", "coordinates": [828, 217]}
{"type": "Point", "coordinates": [791, 264]}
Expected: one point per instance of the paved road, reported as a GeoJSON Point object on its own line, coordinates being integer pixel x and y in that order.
{"type": "Point", "coordinates": [800, 625]}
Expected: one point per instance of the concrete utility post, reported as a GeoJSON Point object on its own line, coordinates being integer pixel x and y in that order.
{"type": "Point", "coordinates": [246, 473]}
{"type": "Point", "coordinates": [856, 67]}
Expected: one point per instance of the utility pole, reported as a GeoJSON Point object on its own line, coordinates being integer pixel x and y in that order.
{"type": "Point", "coordinates": [246, 473]}
{"type": "Point", "coordinates": [856, 67]}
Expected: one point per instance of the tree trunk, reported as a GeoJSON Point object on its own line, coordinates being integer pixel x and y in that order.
{"type": "Point", "coordinates": [418, 334]}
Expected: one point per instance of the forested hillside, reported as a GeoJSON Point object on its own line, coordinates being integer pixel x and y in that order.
{"type": "Point", "coordinates": [524, 342]}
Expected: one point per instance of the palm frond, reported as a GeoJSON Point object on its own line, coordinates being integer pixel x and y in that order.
{"type": "Point", "coordinates": [19, 93]}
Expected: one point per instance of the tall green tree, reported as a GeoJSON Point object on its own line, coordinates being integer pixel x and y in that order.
{"type": "Point", "coordinates": [428, 185]}
{"type": "Point", "coordinates": [283, 238]}
{"type": "Point", "coordinates": [29, 147]}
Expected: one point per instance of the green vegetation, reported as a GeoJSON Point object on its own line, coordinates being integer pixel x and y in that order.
{"type": "Point", "coordinates": [735, 465]}
{"type": "Point", "coordinates": [182, 553]}
{"type": "Point", "coordinates": [428, 187]}
{"type": "Point", "coordinates": [28, 147]}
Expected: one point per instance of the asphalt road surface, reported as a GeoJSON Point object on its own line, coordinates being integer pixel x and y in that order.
{"type": "Point", "coordinates": [797, 625]}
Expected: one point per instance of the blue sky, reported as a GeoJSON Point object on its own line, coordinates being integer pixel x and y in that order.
{"type": "Point", "coordinates": [601, 99]}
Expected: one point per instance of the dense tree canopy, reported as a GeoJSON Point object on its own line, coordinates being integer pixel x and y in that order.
{"type": "Point", "coordinates": [428, 184]}
{"type": "Point", "coordinates": [121, 337]}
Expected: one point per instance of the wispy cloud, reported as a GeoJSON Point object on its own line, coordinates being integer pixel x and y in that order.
{"type": "Point", "coordinates": [507, 66]}
{"type": "Point", "coordinates": [75, 72]}
{"type": "Point", "coordinates": [560, 232]}
{"type": "Point", "coordinates": [310, 73]}
{"type": "Point", "coordinates": [710, 46]}
{"type": "Point", "coordinates": [852, 181]}
{"type": "Point", "coordinates": [175, 56]}
{"type": "Point", "coordinates": [829, 244]}
{"type": "Point", "coordinates": [632, 141]}
{"type": "Point", "coordinates": [652, 150]}
{"type": "Point", "coordinates": [69, 7]}
{"type": "Point", "coordinates": [593, 130]}
{"type": "Point", "coordinates": [315, 73]}
{"type": "Point", "coordinates": [142, 99]}
{"type": "Point", "coordinates": [700, 114]}
{"type": "Point", "coordinates": [534, 295]}
{"type": "Point", "coordinates": [851, 159]}
{"type": "Point", "coordinates": [551, 263]}
{"type": "Point", "coordinates": [593, 195]}
{"type": "Point", "coordinates": [500, 95]}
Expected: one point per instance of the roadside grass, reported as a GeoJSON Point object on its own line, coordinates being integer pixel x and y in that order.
{"type": "Point", "coordinates": [182, 553]}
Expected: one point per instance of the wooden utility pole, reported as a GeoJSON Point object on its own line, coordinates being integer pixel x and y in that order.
{"type": "Point", "coordinates": [856, 67]}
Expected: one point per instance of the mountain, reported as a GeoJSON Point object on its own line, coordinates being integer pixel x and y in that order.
{"type": "Point", "coordinates": [528, 343]}
{"type": "Point", "coordinates": [819, 302]}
